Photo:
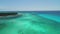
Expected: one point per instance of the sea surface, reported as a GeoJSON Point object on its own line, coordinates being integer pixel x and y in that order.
{"type": "Point", "coordinates": [53, 15]}
{"type": "Point", "coordinates": [31, 22]}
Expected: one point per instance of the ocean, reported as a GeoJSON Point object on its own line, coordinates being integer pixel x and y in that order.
{"type": "Point", "coordinates": [31, 22]}
{"type": "Point", "coordinates": [53, 15]}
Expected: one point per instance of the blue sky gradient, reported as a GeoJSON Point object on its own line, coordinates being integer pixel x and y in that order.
{"type": "Point", "coordinates": [29, 5]}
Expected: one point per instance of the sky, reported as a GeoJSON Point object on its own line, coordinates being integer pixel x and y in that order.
{"type": "Point", "coordinates": [29, 5]}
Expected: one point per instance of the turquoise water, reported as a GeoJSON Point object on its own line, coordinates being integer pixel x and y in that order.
{"type": "Point", "coordinates": [51, 16]}
{"type": "Point", "coordinates": [30, 23]}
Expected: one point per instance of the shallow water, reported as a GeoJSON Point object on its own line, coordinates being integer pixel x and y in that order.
{"type": "Point", "coordinates": [30, 23]}
{"type": "Point", "coordinates": [51, 16]}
